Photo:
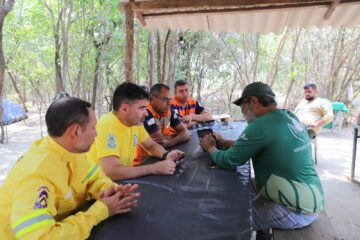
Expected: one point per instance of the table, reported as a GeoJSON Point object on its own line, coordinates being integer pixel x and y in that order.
{"type": "Point", "coordinates": [197, 202]}
{"type": "Point", "coordinates": [356, 136]}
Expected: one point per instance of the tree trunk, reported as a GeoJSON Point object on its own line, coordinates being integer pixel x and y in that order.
{"type": "Point", "coordinates": [22, 100]}
{"type": "Point", "coordinates": [4, 10]}
{"type": "Point", "coordinates": [256, 57]}
{"type": "Point", "coordinates": [65, 28]}
{"type": "Point", "coordinates": [58, 74]}
{"type": "Point", "coordinates": [79, 74]}
{"type": "Point", "coordinates": [158, 46]}
{"type": "Point", "coordinates": [137, 50]}
{"type": "Point", "coordinates": [151, 58]}
{"type": "Point", "coordinates": [96, 76]}
{"type": "Point", "coordinates": [109, 87]}
{"type": "Point", "coordinates": [293, 55]}
{"type": "Point", "coordinates": [129, 49]}
{"type": "Point", "coordinates": [199, 85]}
{"type": "Point", "coordinates": [172, 59]}
{"type": "Point", "coordinates": [164, 56]}
{"type": "Point", "coordinates": [274, 68]}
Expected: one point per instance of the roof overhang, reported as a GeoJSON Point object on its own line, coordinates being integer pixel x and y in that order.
{"type": "Point", "coordinates": [246, 16]}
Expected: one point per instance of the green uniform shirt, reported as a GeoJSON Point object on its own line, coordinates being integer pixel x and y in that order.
{"type": "Point", "coordinates": [281, 152]}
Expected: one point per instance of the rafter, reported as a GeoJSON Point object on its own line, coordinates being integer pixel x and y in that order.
{"type": "Point", "coordinates": [159, 5]}
{"type": "Point", "coordinates": [331, 9]}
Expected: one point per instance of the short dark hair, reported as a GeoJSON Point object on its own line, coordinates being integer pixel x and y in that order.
{"type": "Point", "coordinates": [156, 89]}
{"type": "Point", "coordinates": [310, 85]}
{"type": "Point", "coordinates": [263, 100]}
{"type": "Point", "coordinates": [64, 112]}
{"type": "Point", "coordinates": [266, 101]}
{"type": "Point", "coordinates": [180, 83]}
{"type": "Point", "coordinates": [128, 92]}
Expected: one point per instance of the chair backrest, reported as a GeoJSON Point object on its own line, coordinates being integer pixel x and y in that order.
{"type": "Point", "coordinates": [338, 120]}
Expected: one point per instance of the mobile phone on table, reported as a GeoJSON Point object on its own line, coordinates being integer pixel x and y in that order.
{"type": "Point", "coordinates": [179, 158]}
{"type": "Point", "coordinates": [202, 132]}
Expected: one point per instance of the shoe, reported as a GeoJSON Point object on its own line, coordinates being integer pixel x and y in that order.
{"type": "Point", "coordinates": [311, 133]}
{"type": "Point", "coordinates": [260, 235]}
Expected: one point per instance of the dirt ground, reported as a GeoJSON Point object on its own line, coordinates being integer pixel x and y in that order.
{"type": "Point", "coordinates": [334, 164]}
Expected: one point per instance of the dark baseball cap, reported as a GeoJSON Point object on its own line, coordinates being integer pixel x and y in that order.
{"type": "Point", "coordinates": [255, 89]}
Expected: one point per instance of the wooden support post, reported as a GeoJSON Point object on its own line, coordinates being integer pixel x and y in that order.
{"type": "Point", "coordinates": [129, 48]}
{"type": "Point", "coordinates": [331, 9]}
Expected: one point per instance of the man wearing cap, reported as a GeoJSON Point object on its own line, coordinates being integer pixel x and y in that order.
{"type": "Point", "coordinates": [290, 191]}
{"type": "Point", "coordinates": [313, 111]}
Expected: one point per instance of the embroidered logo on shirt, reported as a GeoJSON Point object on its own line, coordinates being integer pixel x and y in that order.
{"type": "Point", "coordinates": [135, 140]}
{"type": "Point", "coordinates": [41, 199]}
{"type": "Point", "coordinates": [295, 128]}
{"type": "Point", "coordinates": [243, 136]}
{"type": "Point", "coordinates": [176, 116]}
{"type": "Point", "coordinates": [151, 121]}
{"type": "Point", "coordinates": [68, 195]}
{"type": "Point", "coordinates": [111, 141]}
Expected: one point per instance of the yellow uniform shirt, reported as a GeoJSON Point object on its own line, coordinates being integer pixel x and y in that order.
{"type": "Point", "coordinates": [314, 110]}
{"type": "Point", "coordinates": [116, 139]}
{"type": "Point", "coordinates": [44, 188]}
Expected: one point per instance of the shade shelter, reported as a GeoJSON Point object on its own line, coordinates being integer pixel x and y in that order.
{"type": "Point", "coordinates": [241, 16]}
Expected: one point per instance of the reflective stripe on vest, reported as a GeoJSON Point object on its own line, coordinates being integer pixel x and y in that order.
{"type": "Point", "coordinates": [92, 172]}
{"type": "Point", "coordinates": [32, 221]}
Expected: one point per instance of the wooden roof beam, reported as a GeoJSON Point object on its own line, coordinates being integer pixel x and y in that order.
{"type": "Point", "coordinates": [141, 18]}
{"type": "Point", "coordinates": [138, 14]}
{"type": "Point", "coordinates": [331, 9]}
{"type": "Point", "coordinates": [208, 4]}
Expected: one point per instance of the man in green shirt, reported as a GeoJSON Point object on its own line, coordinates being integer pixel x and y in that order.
{"type": "Point", "coordinates": [290, 191]}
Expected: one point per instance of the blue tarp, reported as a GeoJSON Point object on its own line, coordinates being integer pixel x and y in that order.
{"type": "Point", "coordinates": [13, 112]}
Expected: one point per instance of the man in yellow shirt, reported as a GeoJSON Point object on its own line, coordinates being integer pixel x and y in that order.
{"type": "Point", "coordinates": [53, 179]}
{"type": "Point", "coordinates": [121, 131]}
{"type": "Point", "coordinates": [313, 111]}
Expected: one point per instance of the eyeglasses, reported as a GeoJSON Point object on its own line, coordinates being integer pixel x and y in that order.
{"type": "Point", "coordinates": [242, 105]}
{"type": "Point", "coordinates": [164, 99]}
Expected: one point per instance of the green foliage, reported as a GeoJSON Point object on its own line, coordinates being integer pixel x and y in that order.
{"type": "Point", "coordinates": [222, 63]}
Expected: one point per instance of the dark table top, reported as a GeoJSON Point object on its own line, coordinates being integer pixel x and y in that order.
{"type": "Point", "coordinates": [197, 202]}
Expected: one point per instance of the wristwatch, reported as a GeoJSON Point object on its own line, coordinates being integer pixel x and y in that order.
{"type": "Point", "coordinates": [165, 155]}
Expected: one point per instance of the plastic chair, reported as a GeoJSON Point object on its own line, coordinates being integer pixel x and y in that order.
{"type": "Point", "coordinates": [313, 140]}
{"type": "Point", "coordinates": [338, 120]}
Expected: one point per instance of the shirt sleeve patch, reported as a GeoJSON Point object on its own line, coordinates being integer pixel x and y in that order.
{"type": "Point", "coordinates": [151, 121]}
{"type": "Point", "coordinates": [42, 198]}
{"type": "Point", "coordinates": [111, 141]}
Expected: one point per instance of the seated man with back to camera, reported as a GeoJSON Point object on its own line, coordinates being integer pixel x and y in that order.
{"type": "Point", "coordinates": [290, 191]}
{"type": "Point", "coordinates": [188, 108]}
{"type": "Point", "coordinates": [121, 131]}
{"type": "Point", "coordinates": [162, 123]}
{"type": "Point", "coordinates": [42, 194]}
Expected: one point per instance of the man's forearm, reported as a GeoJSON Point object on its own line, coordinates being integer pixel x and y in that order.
{"type": "Point", "coordinates": [156, 150]}
{"type": "Point", "coordinates": [128, 172]}
{"type": "Point", "coordinates": [206, 116]}
{"type": "Point", "coordinates": [181, 137]}
{"type": "Point", "coordinates": [226, 143]}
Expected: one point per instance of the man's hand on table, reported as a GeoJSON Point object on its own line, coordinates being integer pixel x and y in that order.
{"type": "Point", "coordinates": [163, 141]}
{"type": "Point", "coordinates": [119, 198]}
{"type": "Point", "coordinates": [208, 143]}
{"type": "Point", "coordinates": [172, 155]}
{"type": "Point", "coordinates": [188, 118]}
{"type": "Point", "coordinates": [165, 167]}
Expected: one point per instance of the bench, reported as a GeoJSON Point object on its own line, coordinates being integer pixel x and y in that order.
{"type": "Point", "coordinates": [320, 229]}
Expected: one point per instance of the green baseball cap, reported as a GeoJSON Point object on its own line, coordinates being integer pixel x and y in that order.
{"type": "Point", "coordinates": [256, 89]}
